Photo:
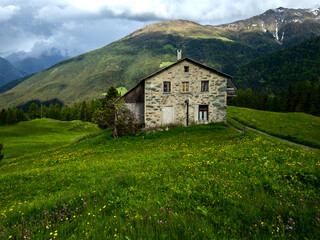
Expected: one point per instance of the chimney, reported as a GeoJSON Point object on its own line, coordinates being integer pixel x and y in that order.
{"type": "Point", "coordinates": [179, 54]}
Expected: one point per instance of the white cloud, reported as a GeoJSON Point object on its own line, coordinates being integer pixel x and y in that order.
{"type": "Point", "coordinates": [203, 10]}
{"type": "Point", "coordinates": [7, 12]}
{"type": "Point", "coordinates": [89, 24]}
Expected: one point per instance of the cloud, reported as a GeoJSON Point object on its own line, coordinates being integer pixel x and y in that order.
{"type": "Point", "coordinates": [7, 12]}
{"type": "Point", "coordinates": [85, 25]}
{"type": "Point", "coordinates": [141, 10]}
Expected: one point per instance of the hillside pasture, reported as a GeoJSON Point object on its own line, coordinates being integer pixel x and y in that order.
{"type": "Point", "coordinates": [297, 127]}
{"type": "Point", "coordinates": [200, 182]}
{"type": "Point", "coordinates": [41, 134]}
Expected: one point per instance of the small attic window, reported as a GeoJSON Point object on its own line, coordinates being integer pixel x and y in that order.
{"type": "Point", "coordinates": [166, 87]}
{"type": "Point", "coordinates": [186, 68]}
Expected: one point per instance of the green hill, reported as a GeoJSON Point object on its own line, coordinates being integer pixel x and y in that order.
{"type": "Point", "coordinates": [273, 72]}
{"type": "Point", "coordinates": [297, 127]}
{"type": "Point", "coordinates": [200, 182]}
{"type": "Point", "coordinates": [41, 134]}
{"type": "Point", "coordinates": [126, 61]}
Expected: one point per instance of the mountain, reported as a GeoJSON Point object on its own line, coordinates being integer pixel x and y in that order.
{"type": "Point", "coordinates": [273, 73]}
{"type": "Point", "coordinates": [13, 83]}
{"type": "Point", "coordinates": [30, 63]}
{"type": "Point", "coordinates": [7, 72]}
{"type": "Point", "coordinates": [287, 26]}
{"type": "Point", "coordinates": [124, 62]}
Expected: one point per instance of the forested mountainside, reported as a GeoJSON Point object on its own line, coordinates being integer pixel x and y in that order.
{"type": "Point", "coordinates": [273, 73]}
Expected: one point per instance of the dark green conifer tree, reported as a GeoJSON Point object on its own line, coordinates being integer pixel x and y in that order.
{"type": "Point", "coordinates": [9, 118]}
{"type": "Point", "coordinates": [33, 111]}
{"type": "Point", "coordinates": [1, 154]}
{"type": "Point", "coordinates": [83, 111]}
{"type": "Point", "coordinates": [3, 116]}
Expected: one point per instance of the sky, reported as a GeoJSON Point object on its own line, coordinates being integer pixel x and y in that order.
{"type": "Point", "coordinates": [77, 26]}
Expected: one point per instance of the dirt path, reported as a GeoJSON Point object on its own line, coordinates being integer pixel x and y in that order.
{"type": "Point", "coordinates": [284, 140]}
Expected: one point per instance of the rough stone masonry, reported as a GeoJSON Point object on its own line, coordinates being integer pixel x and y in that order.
{"type": "Point", "coordinates": [159, 103]}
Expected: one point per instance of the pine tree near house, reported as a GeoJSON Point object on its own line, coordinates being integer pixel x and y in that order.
{"type": "Point", "coordinates": [3, 116]}
{"type": "Point", "coordinates": [9, 117]}
{"type": "Point", "coordinates": [83, 111]}
{"type": "Point", "coordinates": [1, 154]}
{"type": "Point", "coordinates": [33, 111]}
{"type": "Point", "coordinates": [315, 99]}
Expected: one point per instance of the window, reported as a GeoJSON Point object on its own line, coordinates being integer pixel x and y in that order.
{"type": "Point", "coordinates": [185, 87]}
{"type": "Point", "coordinates": [203, 112]}
{"type": "Point", "coordinates": [186, 68]}
{"type": "Point", "coordinates": [166, 86]}
{"type": "Point", "coordinates": [204, 86]}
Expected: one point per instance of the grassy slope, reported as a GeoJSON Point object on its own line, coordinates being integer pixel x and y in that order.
{"type": "Point", "coordinates": [297, 127]}
{"type": "Point", "coordinates": [41, 134]}
{"type": "Point", "coordinates": [122, 90]}
{"type": "Point", "coordinates": [201, 182]}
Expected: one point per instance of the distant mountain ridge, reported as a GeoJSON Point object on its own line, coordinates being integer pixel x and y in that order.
{"type": "Point", "coordinates": [287, 26]}
{"type": "Point", "coordinates": [124, 62]}
{"type": "Point", "coordinates": [8, 72]}
{"type": "Point", "coordinates": [29, 64]}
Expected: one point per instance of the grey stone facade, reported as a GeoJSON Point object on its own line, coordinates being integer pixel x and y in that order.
{"type": "Point", "coordinates": [206, 104]}
{"type": "Point", "coordinates": [138, 111]}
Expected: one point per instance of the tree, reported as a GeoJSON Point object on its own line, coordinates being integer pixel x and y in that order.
{"type": "Point", "coordinates": [112, 95]}
{"type": "Point", "coordinates": [293, 97]}
{"type": "Point", "coordinates": [50, 113]}
{"type": "Point", "coordinates": [9, 117]}
{"type": "Point", "coordinates": [3, 116]}
{"type": "Point", "coordinates": [315, 99]}
{"type": "Point", "coordinates": [117, 117]}
{"type": "Point", "coordinates": [33, 111]}
{"type": "Point", "coordinates": [1, 154]}
{"type": "Point", "coordinates": [15, 115]}
{"type": "Point", "coordinates": [57, 111]}
{"type": "Point", "coordinates": [83, 111]}
{"type": "Point", "coordinates": [21, 116]}
{"type": "Point", "coordinates": [44, 111]}
{"type": "Point", "coordinates": [66, 113]}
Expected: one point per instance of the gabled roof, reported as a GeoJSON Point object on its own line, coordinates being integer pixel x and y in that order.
{"type": "Point", "coordinates": [177, 62]}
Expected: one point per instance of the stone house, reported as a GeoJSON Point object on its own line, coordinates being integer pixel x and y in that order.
{"type": "Point", "coordinates": [182, 93]}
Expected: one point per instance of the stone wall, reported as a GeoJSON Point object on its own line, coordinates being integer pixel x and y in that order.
{"type": "Point", "coordinates": [156, 99]}
{"type": "Point", "coordinates": [138, 110]}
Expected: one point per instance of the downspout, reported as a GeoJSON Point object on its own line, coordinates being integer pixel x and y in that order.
{"type": "Point", "coordinates": [187, 102]}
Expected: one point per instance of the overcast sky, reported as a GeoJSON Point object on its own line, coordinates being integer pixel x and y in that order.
{"type": "Point", "coordinates": [84, 25]}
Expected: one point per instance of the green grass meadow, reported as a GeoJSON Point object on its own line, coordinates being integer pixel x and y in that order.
{"type": "Point", "coordinates": [297, 127]}
{"type": "Point", "coordinates": [200, 182]}
{"type": "Point", "coordinates": [41, 134]}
